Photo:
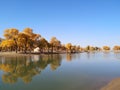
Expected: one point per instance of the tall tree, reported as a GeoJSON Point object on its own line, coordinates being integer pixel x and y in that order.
{"type": "Point", "coordinates": [23, 39]}
{"type": "Point", "coordinates": [42, 44]}
{"type": "Point", "coordinates": [55, 43]}
{"type": "Point", "coordinates": [31, 35]}
{"type": "Point", "coordinates": [12, 34]}
{"type": "Point", "coordinates": [27, 39]}
{"type": "Point", "coordinates": [69, 47]}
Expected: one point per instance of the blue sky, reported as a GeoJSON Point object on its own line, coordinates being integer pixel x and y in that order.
{"type": "Point", "coordinates": [81, 22]}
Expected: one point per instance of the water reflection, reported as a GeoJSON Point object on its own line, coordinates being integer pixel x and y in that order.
{"type": "Point", "coordinates": [69, 57]}
{"type": "Point", "coordinates": [117, 55]}
{"type": "Point", "coordinates": [25, 67]}
{"type": "Point", "coordinates": [106, 54]}
{"type": "Point", "coordinates": [85, 71]}
{"type": "Point", "coordinates": [90, 55]}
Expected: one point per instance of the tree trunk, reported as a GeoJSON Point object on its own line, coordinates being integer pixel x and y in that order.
{"type": "Point", "coordinates": [25, 51]}
{"type": "Point", "coordinates": [52, 49]}
{"type": "Point", "coordinates": [16, 46]}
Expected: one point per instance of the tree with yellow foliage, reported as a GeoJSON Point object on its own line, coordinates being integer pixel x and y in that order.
{"type": "Point", "coordinates": [106, 48]}
{"type": "Point", "coordinates": [23, 39]}
{"type": "Point", "coordinates": [8, 45]}
{"type": "Point", "coordinates": [68, 47]}
{"type": "Point", "coordinates": [12, 34]}
{"type": "Point", "coordinates": [29, 32]}
{"type": "Point", "coordinates": [33, 38]}
{"type": "Point", "coordinates": [42, 44]}
{"type": "Point", "coordinates": [55, 44]}
{"type": "Point", "coordinates": [116, 48]}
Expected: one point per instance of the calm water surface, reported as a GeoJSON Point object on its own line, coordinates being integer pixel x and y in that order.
{"type": "Point", "coordinates": [84, 71]}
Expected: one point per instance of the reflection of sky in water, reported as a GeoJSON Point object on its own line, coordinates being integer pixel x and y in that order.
{"type": "Point", "coordinates": [85, 71]}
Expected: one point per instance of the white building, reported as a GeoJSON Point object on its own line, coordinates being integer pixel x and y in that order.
{"type": "Point", "coordinates": [37, 49]}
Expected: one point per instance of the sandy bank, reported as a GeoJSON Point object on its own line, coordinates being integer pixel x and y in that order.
{"type": "Point", "coordinates": [113, 85]}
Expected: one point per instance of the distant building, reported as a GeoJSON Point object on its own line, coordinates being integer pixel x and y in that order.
{"type": "Point", "coordinates": [37, 49]}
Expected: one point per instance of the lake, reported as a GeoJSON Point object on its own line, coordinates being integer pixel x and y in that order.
{"type": "Point", "coordinates": [84, 71]}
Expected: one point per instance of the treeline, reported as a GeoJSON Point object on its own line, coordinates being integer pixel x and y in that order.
{"type": "Point", "coordinates": [26, 41]}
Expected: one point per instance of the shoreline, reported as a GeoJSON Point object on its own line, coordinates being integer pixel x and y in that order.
{"type": "Point", "coordinates": [26, 54]}
{"type": "Point", "coordinates": [32, 53]}
{"type": "Point", "coordinates": [37, 53]}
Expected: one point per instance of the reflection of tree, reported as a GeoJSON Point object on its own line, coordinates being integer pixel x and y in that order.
{"type": "Point", "coordinates": [68, 57]}
{"type": "Point", "coordinates": [55, 62]}
{"type": "Point", "coordinates": [117, 55]}
{"type": "Point", "coordinates": [106, 54]}
{"type": "Point", "coordinates": [25, 67]}
{"type": "Point", "coordinates": [9, 78]}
